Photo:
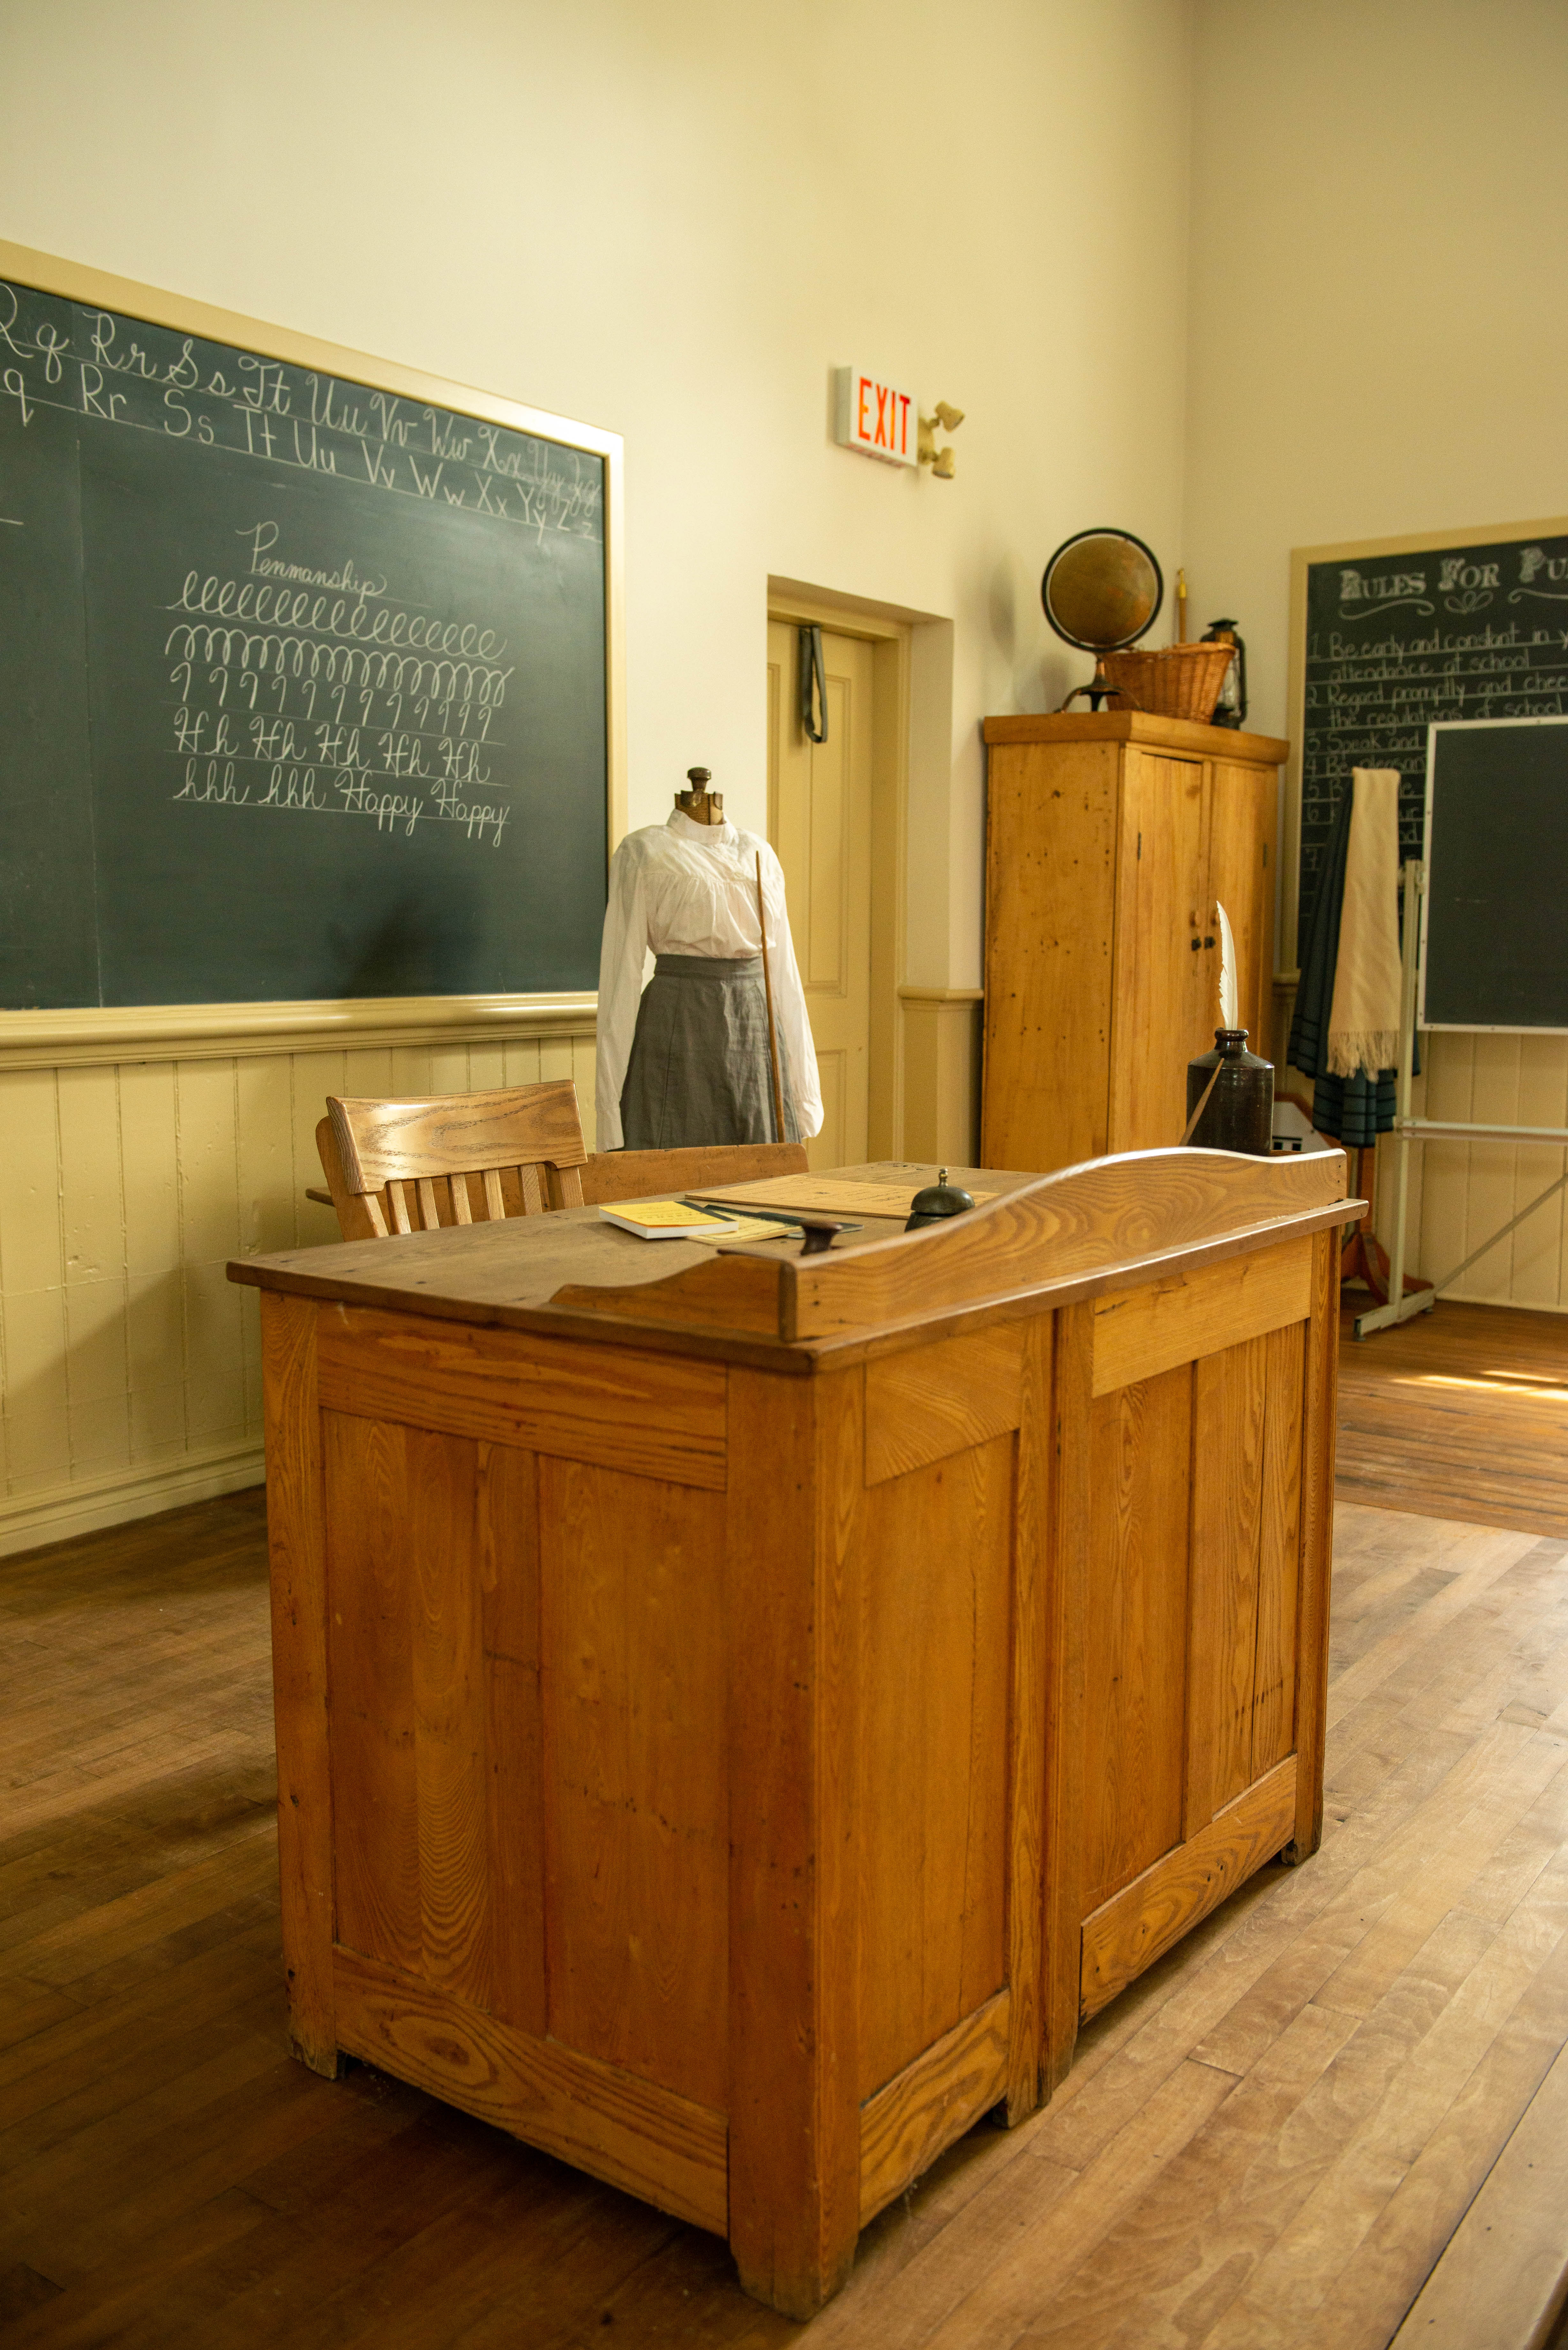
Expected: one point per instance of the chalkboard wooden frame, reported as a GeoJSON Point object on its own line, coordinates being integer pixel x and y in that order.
{"type": "Point", "coordinates": [1361, 550]}
{"type": "Point", "coordinates": [29, 1037]}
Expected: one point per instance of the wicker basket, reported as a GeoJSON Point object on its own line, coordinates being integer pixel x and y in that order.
{"type": "Point", "coordinates": [1179, 681]}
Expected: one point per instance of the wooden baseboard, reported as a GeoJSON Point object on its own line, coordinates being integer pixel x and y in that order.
{"type": "Point", "coordinates": [906, 2125]}
{"type": "Point", "coordinates": [87, 1505]}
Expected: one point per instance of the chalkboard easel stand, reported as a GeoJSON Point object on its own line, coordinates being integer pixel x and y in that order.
{"type": "Point", "coordinates": [1403, 1305]}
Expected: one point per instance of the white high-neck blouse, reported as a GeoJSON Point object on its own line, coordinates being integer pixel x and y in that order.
{"type": "Point", "coordinates": [685, 889]}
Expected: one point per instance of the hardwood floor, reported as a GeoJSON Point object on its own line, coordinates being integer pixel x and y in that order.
{"type": "Point", "coordinates": [1461, 1413]}
{"type": "Point", "coordinates": [1267, 2141]}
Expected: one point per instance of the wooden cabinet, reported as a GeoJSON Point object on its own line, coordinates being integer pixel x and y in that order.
{"type": "Point", "coordinates": [1109, 839]}
{"type": "Point", "coordinates": [738, 1715]}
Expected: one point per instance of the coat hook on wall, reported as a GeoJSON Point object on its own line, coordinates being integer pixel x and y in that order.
{"type": "Point", "coordinates": [940, 461]}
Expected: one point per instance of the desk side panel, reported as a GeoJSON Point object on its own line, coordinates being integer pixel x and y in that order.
{"type": "Point", "coordinates": [1198, 1608]}
{"type": "Point", "coordinates": [635, 1825]}
{"type": "Point", "coordinates": [1135, 1626]}
{"type": "Point", "coordinates": [954, 1529]}
{"type": "Point", "coordinates": [525, 1656]}
{"type": "Point", "coordinates": [932, 1798]}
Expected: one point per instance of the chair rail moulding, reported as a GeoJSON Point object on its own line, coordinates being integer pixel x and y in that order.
{"type": "Point", "coordinates": [95, 1035]}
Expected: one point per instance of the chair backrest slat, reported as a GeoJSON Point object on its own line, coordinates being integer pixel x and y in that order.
{"type": "Point", "coordinates": [539, 1161]}
{"type": "Point", "coordinates": [417, 1157]}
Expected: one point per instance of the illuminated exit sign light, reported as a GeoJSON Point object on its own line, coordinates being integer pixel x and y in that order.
{"type": "Point", "coordinates": [877, 418]}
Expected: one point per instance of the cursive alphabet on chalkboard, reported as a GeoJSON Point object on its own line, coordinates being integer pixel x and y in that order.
{"type": "Point", "coordinates": [151, 379]}
{"type": "Point", "coordinates": [304, 680]}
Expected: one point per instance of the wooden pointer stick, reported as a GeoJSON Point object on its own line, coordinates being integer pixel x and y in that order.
{"type": "Point", "coordinates": [1202, 1105]}
{"type": "Point", "coordinates": [768, 991]}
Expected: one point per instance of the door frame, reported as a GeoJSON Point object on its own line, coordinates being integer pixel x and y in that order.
{"type": "Point", "coordinates": [889, 642]}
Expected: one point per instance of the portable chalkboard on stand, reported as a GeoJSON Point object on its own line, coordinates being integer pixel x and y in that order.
{"type": "Point", "coordinates": [1490, 951]}
{"type": "Point", "coordinates": [309, 666]}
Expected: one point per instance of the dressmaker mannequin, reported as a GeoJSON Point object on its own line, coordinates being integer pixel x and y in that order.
{"type": "Point", "coordinates": [685, 1062]}
{"type": "Point", "coordinates": [700, 804]}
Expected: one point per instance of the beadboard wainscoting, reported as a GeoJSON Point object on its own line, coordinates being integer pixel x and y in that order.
{"type": "Point", "coordinates": [1461, 1191]}
{"type": "Point", "coordinates": [130, 1373]}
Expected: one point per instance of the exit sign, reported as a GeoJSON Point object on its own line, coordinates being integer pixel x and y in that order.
{"type": "Point", "coordinates": [877, 418]}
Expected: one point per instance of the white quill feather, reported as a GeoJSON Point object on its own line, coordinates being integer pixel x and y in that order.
{"type": "Point", "coordinates": [1228, 999]}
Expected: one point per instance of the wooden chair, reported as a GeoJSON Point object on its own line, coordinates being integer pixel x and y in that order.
{"type": "Point", "coordinates": [451, 1158]}
{"type": "Point", "coordinates": [644, 1174]}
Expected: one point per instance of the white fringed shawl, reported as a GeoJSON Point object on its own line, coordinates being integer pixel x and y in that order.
{"type": "Point", "coordinates": [1363, 1022]}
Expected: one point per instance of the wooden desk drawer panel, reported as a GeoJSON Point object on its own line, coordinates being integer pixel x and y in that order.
{"type": "Point", "coordinates": [649, 1414]}
{"type": "Point", "coordinates": [1138, 1333]}
{"type": "Point", "coordinates": [937, 1400]}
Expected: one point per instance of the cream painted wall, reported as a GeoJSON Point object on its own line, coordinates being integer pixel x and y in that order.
{"type": "Point", "coordinates": [1378, 337]}
{"type": "Point", "coordinates": [671, 218]}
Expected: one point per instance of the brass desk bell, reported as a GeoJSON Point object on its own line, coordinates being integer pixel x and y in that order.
{"type": "Point", "coordinates": [937, 1202]}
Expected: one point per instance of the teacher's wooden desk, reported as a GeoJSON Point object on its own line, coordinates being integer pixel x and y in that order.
{"type": "Point", "coordinates": [738, 1713]}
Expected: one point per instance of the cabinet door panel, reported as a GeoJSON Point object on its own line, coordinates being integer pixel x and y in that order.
{"type": "Point", "coordinates": [1163, 977]}
{"type": "Point", "coordinates": [1051, 863]}
{"type": "Point", "coordinates": [1241, 825]}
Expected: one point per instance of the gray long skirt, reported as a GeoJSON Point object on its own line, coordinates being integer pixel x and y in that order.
{"type": "Point", "coordinates": [699, 1071]}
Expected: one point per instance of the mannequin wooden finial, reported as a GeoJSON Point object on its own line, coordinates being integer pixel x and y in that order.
{"type": "Point", "coordinates": [700, 804]}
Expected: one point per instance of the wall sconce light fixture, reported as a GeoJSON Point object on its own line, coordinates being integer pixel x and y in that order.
{"type": "Point", "coordinates": [940, 461]}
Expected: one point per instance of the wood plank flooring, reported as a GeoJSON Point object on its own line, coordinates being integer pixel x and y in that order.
{"type": "Point", "coordinates": [1265, 2142]}
{"type": "Point", "coordinates": [1461, 1413]}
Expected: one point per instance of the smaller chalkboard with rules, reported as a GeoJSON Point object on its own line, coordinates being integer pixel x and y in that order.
{"type": "Point", "coordinates": [1391, 636]}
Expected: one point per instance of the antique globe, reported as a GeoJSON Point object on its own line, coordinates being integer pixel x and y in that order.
{"type": "Point", "coordinates": [1101, 590]}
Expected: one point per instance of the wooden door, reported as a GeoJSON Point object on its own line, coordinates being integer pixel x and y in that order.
{"type": "Point", "coordinates": [819, 820]}
{"type": "Point", "coordinates": [1242, 827]}
{"type": "Point", "coordinates": [1166, 987]}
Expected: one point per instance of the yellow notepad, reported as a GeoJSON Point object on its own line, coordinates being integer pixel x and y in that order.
{"type": "Point", "coordinates": [669, 1219]}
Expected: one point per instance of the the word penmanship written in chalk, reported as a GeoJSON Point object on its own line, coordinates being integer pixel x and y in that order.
{"type": "Point", "coordinates": [314, 691]}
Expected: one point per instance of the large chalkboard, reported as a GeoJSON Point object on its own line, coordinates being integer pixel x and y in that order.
{"type": "Point", "coordinates": [303, 682]}
{"type": "Point", "coordinates": [1396, 642]}
{"type": "Point", "coordinates": [1495, 953]}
